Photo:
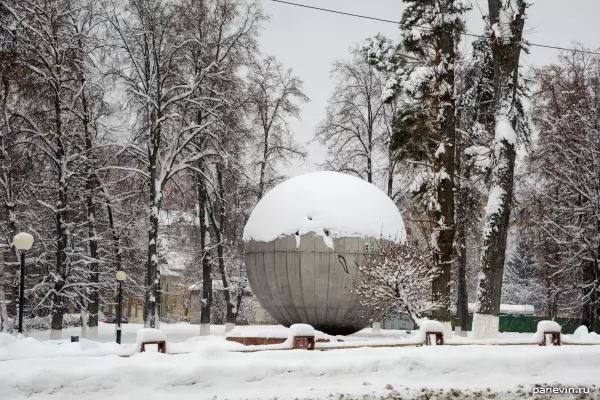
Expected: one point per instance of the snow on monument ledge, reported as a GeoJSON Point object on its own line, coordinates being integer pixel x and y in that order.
{"type": "Point", "coordinates": [330, 204]}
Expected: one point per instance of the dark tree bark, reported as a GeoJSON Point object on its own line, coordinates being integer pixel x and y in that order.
{"type": "Point", "coordinates": [591, 309]}
{"type": "Point", "coordinates": [218, 223]}
{"type": "Point", "coordinates": [61, 228]}
{"type": "Point", "coordinates": [506, 50]}
{"type": "Point", "coordinates": [202, 194]}
{"type": "Point", "coordinates": [9, 73]}
{"type": "Point", "coordinates": [114, 231]}
{"type": "Point", "coordinates": [93, 306]}
{"type": "Point", "coordinates": [153, 273]}
{"type": "Point", "coordinates": [445, 190]}
{"type": "Point", "coordinates": [462, 298]}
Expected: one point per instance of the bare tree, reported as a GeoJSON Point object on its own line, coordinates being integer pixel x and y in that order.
{"type": "Point", "coordinates": [397, 277]}
{"type": "Point", "coordinates": [51, 51]}
{"type": "Point", "coordinates": [566, 213]}
{"type": "Point", "coordinates": [149, 65]}
{"type": "Point", "coordinates": [274, 97]}
{"type": "Point", "coordinates": [224, 36]}
{"type": "Point", "coordinates": [354, 128]}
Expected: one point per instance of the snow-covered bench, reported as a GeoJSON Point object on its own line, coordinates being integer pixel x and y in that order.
{"type": "Point", "coordinates": [302, 336]}
{"type": "Point", "coordinates": [429, 329]}
{"type": "Point", "coordinates": [548, 328]}
{"type": "Point", "coordinates": [151, 336]}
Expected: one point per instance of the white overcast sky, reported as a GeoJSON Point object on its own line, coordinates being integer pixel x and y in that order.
{"type": "Point", "coordinates": [308, 41]}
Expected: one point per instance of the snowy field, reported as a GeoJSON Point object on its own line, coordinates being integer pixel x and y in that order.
{"type": "Point", "coordinates": [39, 370]}
{"type": "Point", "coordinates": [507, 372]}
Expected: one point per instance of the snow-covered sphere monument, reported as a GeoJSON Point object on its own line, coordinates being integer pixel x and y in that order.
{"type": "Point", "coordinates": [303, 242]}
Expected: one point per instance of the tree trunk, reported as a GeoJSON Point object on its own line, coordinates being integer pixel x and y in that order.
{"type": "Point", "coordinates": [84, 322]}
{"type": "Point", "coordinates": [506, 52]}
{"type": "Point", "coordinates": [206, 262]}
{"type": "Point", "coordinates": [238, 303]}
{"type": "Point", "coordinates": [462, 299]}
{"type": "Point", "coordinates": [115, 235]}
{"type": "Point", "coordinates": [3, 308]}
{"type": "Point", "coordinates": [391, 170]}
{"type": "Point", "coordinates": [219, 228]}
{"type": "Point", "coordinates": [59, 306]}
{"type": "Point", "coordinates": [444, 217]}
{"type": "Point", "coordinates": [153, 274]}
{"type": "Point", "coordinates": [263, 166]}
{"type": "Point", "coordinates": [9, 201]}
{"type": "Point", "coordinates": [590, 306]}
{"type": "Point", "coordinates": [93, 305]}
{"type": "Point", "coordinates": [3, 311]}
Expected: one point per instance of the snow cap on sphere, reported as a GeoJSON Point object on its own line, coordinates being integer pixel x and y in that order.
{"type": "Point", "coordinates": [330, 204]}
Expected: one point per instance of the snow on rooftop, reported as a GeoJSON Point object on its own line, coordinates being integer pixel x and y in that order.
{"type": "Point", "coordinates": [517, 309]}
{"type": "Point", "coordinates": [330, 204]}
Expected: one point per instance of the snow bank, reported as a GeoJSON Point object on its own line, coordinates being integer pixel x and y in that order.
{"type": "Point", "coordinates": [582, 336]}
{"type": "Point", "coordinates": [205, 346]}
{"type": "Point", "coordinates": [309, 374]}
{"type": "Point", "coordinates": [271, 331]}
{"type": "Point", "coordinates": [24, 348]}
{"type": "Point", "coordinates": [6, 339]}
{"type": "Point", "coordinates": [330, 204]}
{"type": "Point", "coordinates": [581, 332]}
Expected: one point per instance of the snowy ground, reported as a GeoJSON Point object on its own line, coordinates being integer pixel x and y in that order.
{"type": "Point", "coordinates": [500, 372]}
{"type": "Point", "coordinates": [184, 331]}
{"type": "Point", "coordinates": [301, 374]}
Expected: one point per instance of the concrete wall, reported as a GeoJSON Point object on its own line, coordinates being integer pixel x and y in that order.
{"type": "Point", "coordinates": [309, 284]}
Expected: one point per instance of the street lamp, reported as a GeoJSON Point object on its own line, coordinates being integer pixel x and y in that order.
{"type": "Point", "coordinates": [121, 276]}
{"type": "Point", "coordinates": [22, 242]}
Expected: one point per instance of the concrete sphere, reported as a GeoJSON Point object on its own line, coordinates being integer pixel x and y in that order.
{"type": "Point", "coordinates": [311, 283]}
{"type": "Point", "coordinates": [304, 241]}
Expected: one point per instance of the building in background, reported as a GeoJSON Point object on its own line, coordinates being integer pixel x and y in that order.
{"type": "Point", "coordinates": [252, 312]}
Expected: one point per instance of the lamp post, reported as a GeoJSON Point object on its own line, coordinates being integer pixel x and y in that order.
{"type": "Point", "coordinates": [22, 242]}
{"type": "Point", "coordinates": [121, 276]}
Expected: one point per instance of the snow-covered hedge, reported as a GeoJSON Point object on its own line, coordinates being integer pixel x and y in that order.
{"type": "Point", "coordinates": [44, 323]}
